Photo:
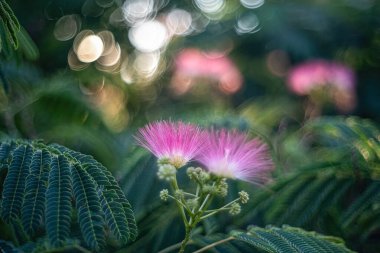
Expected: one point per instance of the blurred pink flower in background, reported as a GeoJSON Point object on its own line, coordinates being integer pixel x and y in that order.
{"type": "Point", "coordinates": [336, 78]}
{"type": "Point", "coordinates": [232, 154]}
{"type": "Point", "coordinates": [192, 65]}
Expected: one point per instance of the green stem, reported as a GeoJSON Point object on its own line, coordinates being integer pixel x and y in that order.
{"type": "Point", "coordinates": [223, 208]}
{"type": "Point", "coordinates": [187, 237]}
{"type": "Point", "coordinates": [179, 204]}
{"type": "Point", "coordinates": [211, 214]}
{"type": "Point", "coordinates": [214, 244]}
{"type": "Point", "coordinates": [189, 194]}
{"type": "Point", "coordinates": [205, 201]}
{"type": "Point", "coordinates": [172, 247]}
{"type": "Point", "coordinates": [193, 210]}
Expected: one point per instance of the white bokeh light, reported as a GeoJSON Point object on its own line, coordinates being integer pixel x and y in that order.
{"type": "Point", "coordinates": [112, 58]}
{"type": "Point", "coordinates": [247, 23]}
{"type": "Point", "coordinates": [146, 64]}
{"type": "Point", "coordinates": [90, 48]}
{"type": "Point", "coordinates": [252, 4]}
{"type": "Point", "coordinates": [149, 36]}
{"type": "Point", "coordinates": [66, 27]}
{"type": "Point", "coordinates": [137, 10]}
{"type": "Point", "coordinates": [210, 6]}
{"type": "Point", "coordinates": [179, 22]}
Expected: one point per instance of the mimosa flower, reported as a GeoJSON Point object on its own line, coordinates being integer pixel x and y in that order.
{"type": "Point", "coordinates": [193, 65]}
{"type": "Point", "coordinates": [336, 78]}
{"type": "Point", "coordinates": [173, 142]}
{"type": "Point", "coordinates": [231, 154]}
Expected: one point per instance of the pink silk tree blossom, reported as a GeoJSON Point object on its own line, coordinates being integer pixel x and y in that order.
{"type": "Point", "coordinates": [336, 78]}
{"type": "Point", "coordinates": [177, 142]}
{"type": "Point", "coordinates": [231, 154]}
{"type": "Point", "coordinates": [315, 73]}
{"type": "Point", "coordinates": [193, 65]}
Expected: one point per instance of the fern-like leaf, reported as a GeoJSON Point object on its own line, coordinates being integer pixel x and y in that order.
{"type": "Point", "coordinates": [114, 214]}
{"type": "Point", "coordinates": [89, 210]}
{"type": "Point", "coordinates": [14, 184]}
{"type": "Point", "coordinates": [36, 182]}
{"type": "Point", "coordinates": [27, 45]}
{"type": "Point", "coordinates": [112, 206]}
{"type": "Point", "coordinates": [10, 23]}
{"type": "Point", "coordinates": [41, 186]}
{"type": "Point", "coordinates": [58, 201]}
{"type": "Point", "coordinates": [132, 227]}
{"type": "Point", "coordinates": [121, 221]}
{"type": "Point", "coordinates": [289, 239]}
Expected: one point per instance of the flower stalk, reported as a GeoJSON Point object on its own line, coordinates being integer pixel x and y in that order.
{"type": "Point", "coordinates": [224, 154]}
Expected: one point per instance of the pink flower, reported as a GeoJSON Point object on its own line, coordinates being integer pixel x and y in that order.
{"type": "Point", "coordinates": [231, 154]}
{"type": "Point", "coordinates": [177, 142]}
{"type": "Point", "coordinates": [336, 77]}
{"type": "Point", "coordinates": [315, 73]}
{"type": "Point", "coordinates": [192, 65]}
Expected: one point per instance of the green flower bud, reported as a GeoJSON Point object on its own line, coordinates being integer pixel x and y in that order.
{"type": "Point", "coordinates": [191, 173]}
{"type": "Point", "coordinates": [197, 174]}
{"type": "Point", "coordinates": [235, 209]}
{"type": "Point", "coordinates": [244, 197]}
{"type": "Point", "coordinates": [208, 189]}
{"type": "Point", "coordinates": [192, 203]}
{"type": "Point", "coordinates": [204, 176]}
{"type": "Point", "coordinates": [164, 195]}
{"type": "Point", "coordinates": [222, 188]}
{"type": "Point", "coordinates": [166, 172]}
{"type": "Point", "coordinates": [178, 194]}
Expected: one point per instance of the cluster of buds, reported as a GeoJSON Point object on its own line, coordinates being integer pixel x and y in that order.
{"type": "Point", "coordinates": [166, 172]}
{"type": "Point", "coordinates": [164, 194]}
{"type": "Point", "coordinates": [198, 174]}
{"type": "Point", "coordinates": [208, 186]}
{"type": "Point", "coordinates": [223, 154]}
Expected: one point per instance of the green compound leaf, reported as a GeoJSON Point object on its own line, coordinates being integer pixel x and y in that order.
{"type": "Point", "coordinates": [47, 185]}
{"type": "Point", "coordinates": [36, 182]}
{"type": "Point", "coordinates": [10, 23]}
{"type": "Point", "coordinates": [118, 211]}
{"type": "Point", "coordinates": [14, 184]}
{"type": "Point", "coordinates": [89, 211]}
{"type": "Point", "coordinates": [289, 239]}
{"type": "Point", "coordinates": [58, 201]}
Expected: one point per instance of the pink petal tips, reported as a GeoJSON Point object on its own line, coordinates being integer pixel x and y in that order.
{"type": "Point", "coordinates": [176, 142]}
{"type": "Point", "coordinates": [231, 154]}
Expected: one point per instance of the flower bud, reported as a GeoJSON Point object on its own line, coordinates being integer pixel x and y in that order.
{"type": "Point", "coordinates": [191, 173]}
{"type": "Point", "coordinates": [197, 174]}
{"type": "Point", "coordinates": [222, 188]}
{"type": "Point", "coordinates": [204, 176]}
{"type": "Point", "coordinates": [178, 194]}
{"type": "Point", "coordinates": [164, 195]}
{"type": "Point", "coordinates": [208, 189]}
{"type": "Point", "coordinates": [244, 197]}
{"type": "Point", "coordinates": [235, 209]}
{"type": "Point", "coordinates": [192, 203]}
{"type": "Point", "coordinates": [166, 172]}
